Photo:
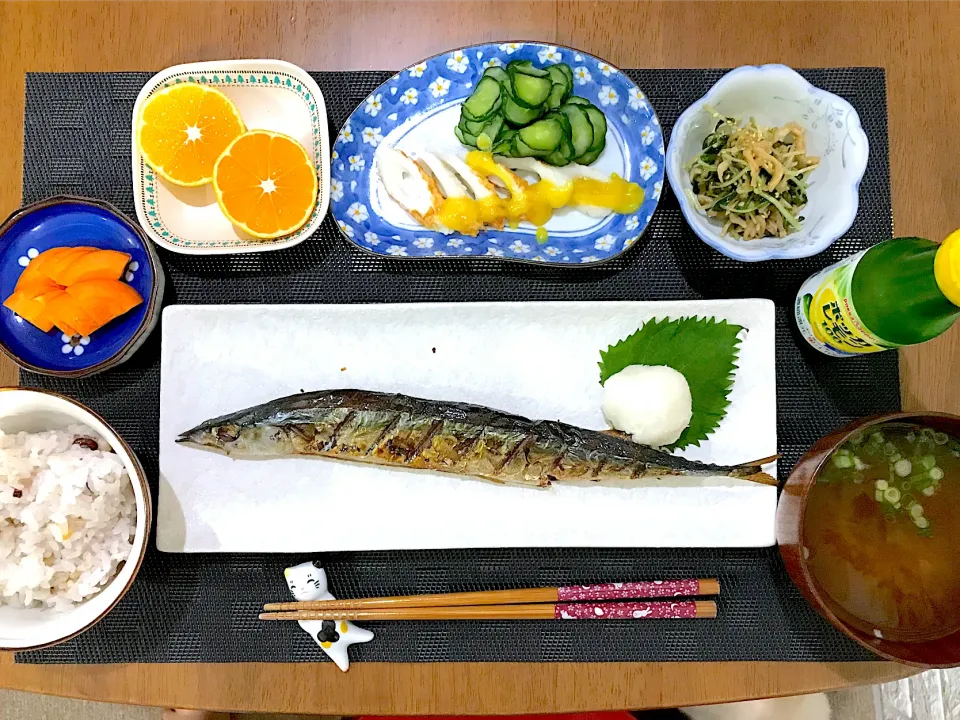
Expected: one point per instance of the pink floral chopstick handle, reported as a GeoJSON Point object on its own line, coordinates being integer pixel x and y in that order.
{"type": "Point", "coordinates": [626, 611]}
{"type": "Point", "coordinates": [629, 590]}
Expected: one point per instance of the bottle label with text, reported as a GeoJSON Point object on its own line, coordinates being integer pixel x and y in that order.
{"type": "Point", "coordinates": [827, 317]}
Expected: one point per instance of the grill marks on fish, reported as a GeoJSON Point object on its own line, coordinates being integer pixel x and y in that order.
{"type": "Point", "coordinates": [444, 436]}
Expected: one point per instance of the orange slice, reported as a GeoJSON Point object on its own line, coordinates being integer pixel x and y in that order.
{"type": "Point", "coordinates": [183, 129]}
{"type": "Point", "coordinates": [266, 184]}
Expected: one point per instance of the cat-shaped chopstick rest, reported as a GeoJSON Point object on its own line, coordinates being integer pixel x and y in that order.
{"type": "Point", "coordinates": [308, 581]}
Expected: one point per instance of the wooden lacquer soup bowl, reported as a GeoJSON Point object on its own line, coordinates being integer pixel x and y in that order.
{"type": "Point", "coordinates": [942, 652]}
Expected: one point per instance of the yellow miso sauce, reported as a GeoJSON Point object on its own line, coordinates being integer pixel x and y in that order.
{"type": "Point", "coordinates": [882, 532]}
{"type": "Point", "coordinates": [535, 202]}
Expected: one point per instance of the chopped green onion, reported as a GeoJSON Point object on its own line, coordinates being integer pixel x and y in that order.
{"type": "Point", "coordinates": [911, 437]}
{"type": "Point", "coordinates": [891, 495]}
{"type": "Point", "coordinates": [929, 490]}
{"type": "Point", "coordinates": [889, 449]}
{"type": "Point", "coordinates": [916, 510]}
{"type": "Point", "coordinates": [856, 438]}
{"type": "Point", "coordinates": [842, 462]}
{"type": "Point", "coordinates": [859, 464]}
{"type": "Point", "coordinates": [857, 477]}
{"type": "Point", "coordinates": [895, 457]}
{"type": "Point", "coordinates": [936, 474]}
{"type": "Point", "coordinates": [927, 432]}
{"type": "Point", "coordinates": [940, 438]}
{"type": "Point", "coordinates": [928, 462]}
{"type": "Point", "coordinates": [921, 522]}
{"type": "Point", "coordinates": [881, 484]}
{"type": "Point", "coordinates": [876, 437]}
{"type": "Point", "coordinates": [903, 467]}
{"type": "Point", "coordinates": [878, 496]}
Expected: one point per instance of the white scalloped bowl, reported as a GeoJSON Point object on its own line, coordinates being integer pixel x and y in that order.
{"type": "Point", "coordinates": [775, 95]}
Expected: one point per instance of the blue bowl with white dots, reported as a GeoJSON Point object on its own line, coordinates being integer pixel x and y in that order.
{"type": "Point", "coordinates": [70, 222]}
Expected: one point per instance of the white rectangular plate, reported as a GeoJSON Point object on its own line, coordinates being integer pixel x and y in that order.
{"type": "Point", "coordinates": [537, 359]}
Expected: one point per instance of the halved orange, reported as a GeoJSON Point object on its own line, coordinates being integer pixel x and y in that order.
{"type": "Point", "coordinates": [183, 129]}
{"type": "Point", "coordinates": [266, 184]}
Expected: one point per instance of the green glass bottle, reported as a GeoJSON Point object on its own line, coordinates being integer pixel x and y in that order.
{"type": "Point", "coordinates": [901, 292]}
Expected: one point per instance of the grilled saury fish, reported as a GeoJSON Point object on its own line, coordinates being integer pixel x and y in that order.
{"type": "Point", "coordinates": [453, 437]}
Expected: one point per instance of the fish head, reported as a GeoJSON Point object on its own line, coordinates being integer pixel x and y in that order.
{"type": "Point", "coordinates": [223, 437]}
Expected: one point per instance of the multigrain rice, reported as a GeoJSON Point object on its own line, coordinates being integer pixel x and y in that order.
{"type": "Point", "coordinates": [67, 517]}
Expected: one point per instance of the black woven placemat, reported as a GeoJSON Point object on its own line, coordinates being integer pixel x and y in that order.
{"type": "Point", "coordinates": [202, 608]}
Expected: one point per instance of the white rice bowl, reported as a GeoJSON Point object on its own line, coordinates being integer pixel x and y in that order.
{"type": "Point", "coordinates": [67, 517]}
{"type": "Point", "coordinates": [54, 585]}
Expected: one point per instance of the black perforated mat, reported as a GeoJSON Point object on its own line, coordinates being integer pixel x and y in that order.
{"type": "Point", "coordinates": [202, 608]}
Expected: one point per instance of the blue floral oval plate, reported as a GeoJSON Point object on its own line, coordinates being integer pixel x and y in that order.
{"type": "Point", "coordinates": [71, 222]}
{"type": "Point", "coordinates": [418, 108]}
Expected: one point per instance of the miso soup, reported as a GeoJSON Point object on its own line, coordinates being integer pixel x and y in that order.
{"type": "Point", "coordinates": [882, 532]}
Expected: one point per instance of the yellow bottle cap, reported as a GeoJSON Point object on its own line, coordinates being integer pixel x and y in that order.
{"type": "Point", "coordinates": [946, 267]}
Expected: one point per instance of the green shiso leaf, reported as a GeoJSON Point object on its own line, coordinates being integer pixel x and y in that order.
{"type": "Point", "coordinates": [705, 350]}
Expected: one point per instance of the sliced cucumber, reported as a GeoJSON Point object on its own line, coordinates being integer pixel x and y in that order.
{"type": "Point", "coordinates": [497, 73]}
{"type": "Point", "coordinates": [518, 115]}
{"type": "Point", "coordinates": [484, 101]}
{"type": "Point", "coordinates": [567, 71]}
{"type": "Point", "coordinates": [566, 150]}
{"type": "Point", "coordinates": [588, 157]}
{"type": "Point", "coordinates": [488, 136]}
{"type": "Point", "coordinates": [471, 127]}
{"type": "Point", "coordinates": [543, 136]}
{"type": "Point", "coordinates": [530, 91]}
{"type": "Point", "coordinates": [465, 138]}
{"type": "Point", "coordinates": [555, 100]}
{"type": "Point", "coordinates": [556, 158]}
{"type": "Point", "coordinates": [526, 67]}
{"type": "Point", "coordinates": [521, 149]}
{"type": "Point", "coordinates": [578, 100]}
{"type": "Point", "coordinates": [562, 86]}
{"type": "Point", "coordinates": [581, 129]}
{"type": "Point", "coordinates": [466, 114]}
{"type": "Point", "coordinates": [599, 123]}
{"type": "Point", "coordinates": [504, 145]}
{"type": "Point", "coordinates": [562, 119]}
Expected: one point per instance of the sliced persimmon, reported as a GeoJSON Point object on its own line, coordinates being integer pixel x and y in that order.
{"type": "Point", "coordinates": [35, 284]}
{"type": "Point", "coordinates": [32, 308]}
{"type": "Point", "coordinates": [67, 330]}
{"type": "Point", "coordinates": [69, 316]}
{"type": "Point", "coordinates": [98, 265]}
{"type": "Point", "coordinates": [39, 265]}
{"type": "Point", "coordinates": [59, 266]}
{"type": "Point", "coordinates": [104, 300]}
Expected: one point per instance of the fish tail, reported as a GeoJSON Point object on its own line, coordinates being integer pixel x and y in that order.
{"type": "Point", "coordinates": [752, 471]}
{"type": "Point", "coordinates": [760, 477]}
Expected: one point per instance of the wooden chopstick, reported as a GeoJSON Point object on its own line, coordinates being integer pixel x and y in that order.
{"type": "Point", "coordinates": [554, 611]}
{"type": "Point", "coordinates": [571, 593]}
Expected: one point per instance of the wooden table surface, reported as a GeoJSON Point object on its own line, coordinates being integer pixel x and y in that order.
{"type": "Point", "coordinates": [917, 44]}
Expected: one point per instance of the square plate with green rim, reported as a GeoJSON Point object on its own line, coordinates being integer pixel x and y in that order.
{"type": "Point", "coordinates": [271, 95]}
